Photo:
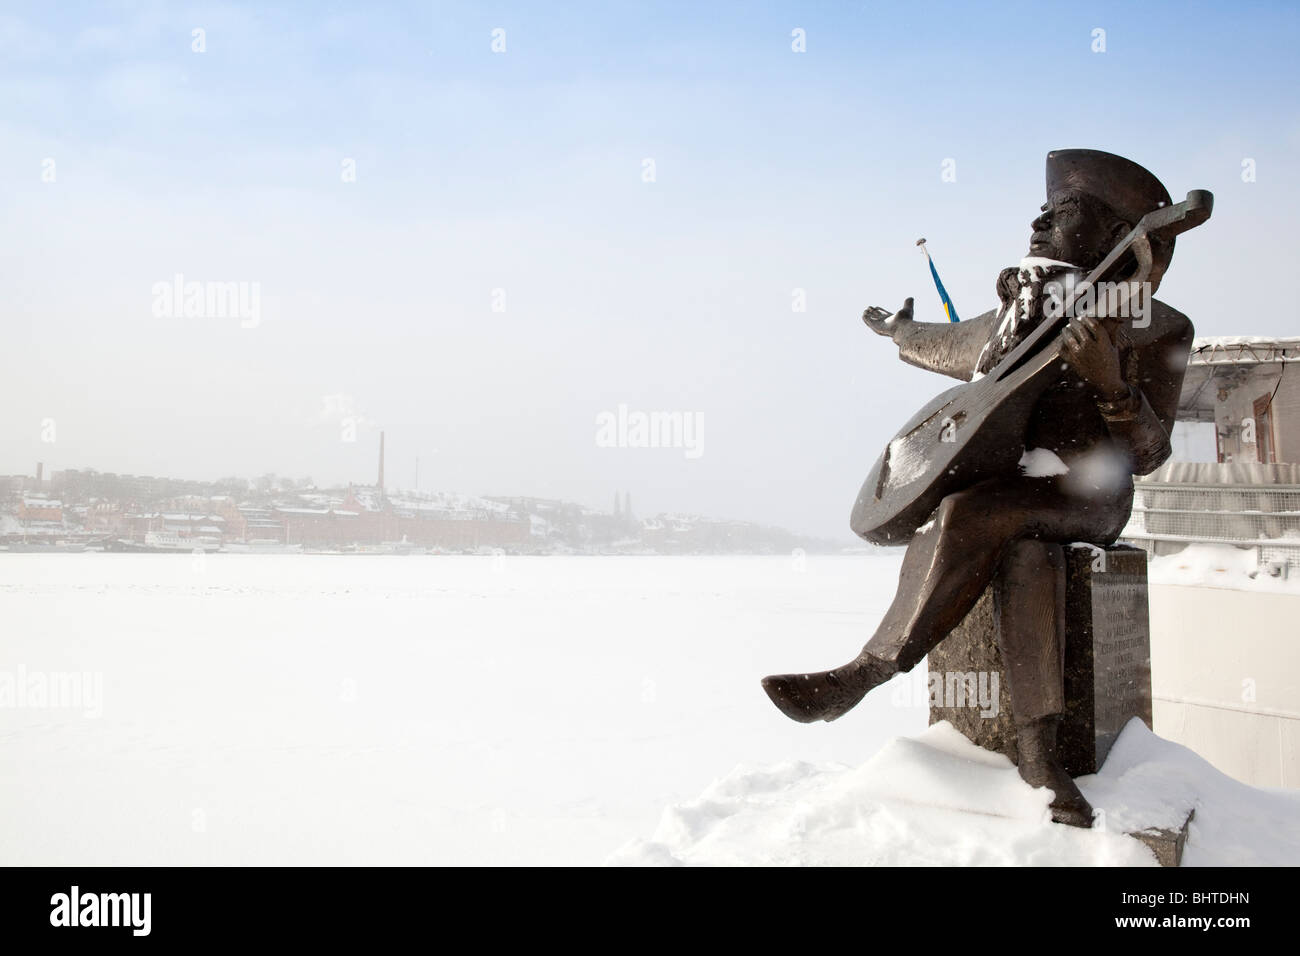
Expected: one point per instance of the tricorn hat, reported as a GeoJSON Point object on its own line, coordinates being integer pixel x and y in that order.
{"type": "Point", "coordinates": [1128, 189]}
{"type": "Point", "coordinates": [1121, 183]}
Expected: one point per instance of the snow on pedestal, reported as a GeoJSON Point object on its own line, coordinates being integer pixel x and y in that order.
{"type": "Point", "coordinates": [936, 799]}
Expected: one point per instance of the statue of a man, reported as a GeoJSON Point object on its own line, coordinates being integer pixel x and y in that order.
{"type": "Point", "coordinates": [1107, 418]}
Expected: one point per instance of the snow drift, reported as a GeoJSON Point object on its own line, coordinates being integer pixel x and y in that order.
{"type": "Point", "coordinates": [937, 799]}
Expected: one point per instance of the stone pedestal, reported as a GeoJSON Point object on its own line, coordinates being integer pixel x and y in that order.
{"type": "Point", "coordinates": [1167, 843]}
{"type": "Point", "coordinates": [1107, 661]}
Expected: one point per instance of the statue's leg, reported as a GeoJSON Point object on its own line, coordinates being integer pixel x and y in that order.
{"type": "Point", "coordinates": [1029, 601]}
{"type": "Point", "coordinates": [948, 564]}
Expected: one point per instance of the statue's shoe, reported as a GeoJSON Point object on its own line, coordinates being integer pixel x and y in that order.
{"type": "Point", "coordinates": [1072, 809]}
{"type": "Point", "coordinates": [1040, 766]}
{"type": "Point", "coordinates": [1069, 806]}
{"type": "Point", "coordinates": [827, 695]}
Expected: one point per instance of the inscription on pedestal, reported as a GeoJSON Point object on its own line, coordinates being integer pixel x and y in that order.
{"type": "Point", "coordinates": [1107, 653]}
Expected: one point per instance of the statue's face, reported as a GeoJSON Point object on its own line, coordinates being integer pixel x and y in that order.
{"type": "Point", "coordinates": [1072, 228]}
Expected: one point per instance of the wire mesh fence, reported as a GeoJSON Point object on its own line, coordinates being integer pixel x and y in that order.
{"type": "Point", "coordinates": [1168, 516]}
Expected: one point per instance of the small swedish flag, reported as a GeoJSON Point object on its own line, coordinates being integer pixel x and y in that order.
{"type": "Point", "coordinates": [948, 308]}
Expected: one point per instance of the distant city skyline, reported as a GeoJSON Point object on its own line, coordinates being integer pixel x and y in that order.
{"type": "Point", "coordinates": [75, 510]}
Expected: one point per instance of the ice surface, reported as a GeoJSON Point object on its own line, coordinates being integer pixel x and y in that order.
{"type": "Point", "coordinates": [313, 709]}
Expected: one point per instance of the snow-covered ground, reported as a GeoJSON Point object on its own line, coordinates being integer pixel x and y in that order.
{"type": "Point", "coordinates": [936, 799]}
{"type": "Point", "coordinates": [386, 709]}
{"type": "Point", "coordinates": [382, 709]}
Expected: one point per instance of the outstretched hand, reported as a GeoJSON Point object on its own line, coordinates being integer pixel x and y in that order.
{"type": "Point", "coordinates": [887, 323]}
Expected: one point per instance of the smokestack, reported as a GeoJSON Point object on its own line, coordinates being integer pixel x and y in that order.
{"type": "Point", "coordinates": [40, 470]}
{"type": "Point", "coordinates": [381, 461]}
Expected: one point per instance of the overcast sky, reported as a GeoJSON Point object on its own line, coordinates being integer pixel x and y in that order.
{"type": "Point", "coordinates": [500, 271]}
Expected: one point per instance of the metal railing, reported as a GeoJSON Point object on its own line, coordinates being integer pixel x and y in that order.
{"type": "Point", "coordinates": [1168, 516]}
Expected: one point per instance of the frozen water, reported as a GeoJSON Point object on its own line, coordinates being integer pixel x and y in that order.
{"type": "Point", "coordinates": [340, 709]}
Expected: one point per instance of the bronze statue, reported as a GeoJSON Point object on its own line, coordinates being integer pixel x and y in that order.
{"type": "Point", "coordinates": [1094, 388]}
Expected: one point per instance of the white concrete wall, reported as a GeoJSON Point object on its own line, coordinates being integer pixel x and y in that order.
{"type": "Point", "coordinates": [1225, 675]}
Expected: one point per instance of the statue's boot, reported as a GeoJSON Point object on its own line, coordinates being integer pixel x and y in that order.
{"type": "Point", "coordinates": [1040, 766]}
{"type": "Point", "coordinates": [828, 694]}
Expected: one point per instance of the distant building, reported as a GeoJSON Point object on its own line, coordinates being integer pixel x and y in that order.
{"type": "Point", "coordinates": [35, 508]}
{"type": "Point", "coordinates": [1243, 385]}
{"type": "Point", "coordinates": [1245, 389]}
{"type": "Point", "coordinates": [254, 525]}
{"type": "Point", "coordinates": [321, 527]}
